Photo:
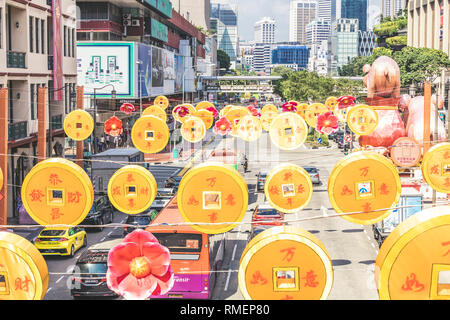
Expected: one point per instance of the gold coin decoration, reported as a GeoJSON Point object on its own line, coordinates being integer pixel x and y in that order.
{"type": "Point", "coordinates": [193, 129]}
{"type": "Point", "coordinates": [162, 102]}
{"type": "Point", "coordinates": [155, 111]}
{"type": "Point", "coordinates": [362, 120]}
{"type": "Point", "coordinates": [436, 167]}
{"type": "Point", "coordinates": [249, 128]}
{"type": "Point", "coordinates": [313, 112]}
{"type": "Point", "coordinates": [150, 134]}
{"type": "Point", "coordinates": [288, 131]}
{"type": "Point", "coordinates": [78, 125]}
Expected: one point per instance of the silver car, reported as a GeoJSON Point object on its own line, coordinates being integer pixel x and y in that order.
{"type": "Point", "coordinates": [314, 174]}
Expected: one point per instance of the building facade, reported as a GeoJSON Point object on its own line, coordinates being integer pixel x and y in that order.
{"type": "Point", "coordinates": [324, 10]}
{"type": "Point", "coordinates": [261, 57]}
{"type": "Point", "coordinates": [291, 54]}
{"type": "Point", "coordinates": [27, 49]}
{"type": "Point", "coordinates": [196, 12]}
{"type": "Point", "coordinates": [317, 31]}
{"type": "Point", "coordinates": [265, 30]}
{"type": "Point", "coordinates": [227, 29]}
{"type": "Point", "coordinates": [366, 40]}
{"type": "Point", "coordinates": [355, 9]}
{"type": "Point", "coordinates": [344, 41]}
{"type": "Point", "coordinates": [391, 8]}
{"type": "Point", "coordinates": [301, 13]}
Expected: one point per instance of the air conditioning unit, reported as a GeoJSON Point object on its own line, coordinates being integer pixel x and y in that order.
{"type": "Point", "coordinates": [135, 23]}
{"type": "Point", "coordinates": [127, 16]}
{"type": "Point", "coordinates": [127, 23]}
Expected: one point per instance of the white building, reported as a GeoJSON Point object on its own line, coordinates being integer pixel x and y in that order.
{"type": "Point", "coordinates": [265, 30]}
{"type": "Point", "coordinates": [324, 10]}
{"type": "Point", "coordinates": [392, 7]}
{"type": "Point", "coordinates": [196, 12]}
{"type": "Point", "coordinates": [317, 31]}
{"type": "Point", "coordinates": [301, 13]}
{"type": "Point", "coordinates": [318, 58]}
{"type": "Point", "coordinates": [262, 56]}
{"type": "Point", "coordinates": [344, 42]}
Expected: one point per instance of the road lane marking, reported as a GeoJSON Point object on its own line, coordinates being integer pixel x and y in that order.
{"type": "Point", "coordinates": [49, 290]}
{"type": "Point", "coordinates": [196, 155]}
{"type": "Point", "coordinates": [102, 239]}
{"type": "Point", "coordinates": [59, 279]}
{"type": "Point", "coordinates": [228, 280]}
{"type": "Point", "coordinates": [234, 252]}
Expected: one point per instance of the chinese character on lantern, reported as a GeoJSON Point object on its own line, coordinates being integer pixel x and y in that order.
{"type": "Point", "coordinates": [257, 278]}
{"type": "Point", "coordinates": [310, 279]}
{"type": "Point", "coordinates": [22, 285]}
{"type": "Point", "coordinates": [73, 197]}
{"type": "Point", "coordinates": [290, 252]}
{"type": "Point", "coordinates": [54, 179]}
{"type": "Point", "coordinates": [412, 284]}
{"type": "Point", "coordinates": [36, 195]}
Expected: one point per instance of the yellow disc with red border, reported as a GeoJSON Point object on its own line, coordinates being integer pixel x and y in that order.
{"type": "Point", "coordinates": [206, 116]}
{"type": "Point", "coordinates": [78, 125]}
{"type": "Point", "coordinates": [150, 134]}
{"type": "Point", "coordinates": [57, 191]}
{"type": "Point", "coordinates": [204, 105]}
{"type": "Point", "coordinates": [406, 152]}
{"type": "Point", "coordinates": [362, 120]}
{"type": "Point", "coordinates": [182, 116]}
{"type": "Point", "coordinates": [23, 270]}
{"type": "Point", "coordinates": [313, 112]}
{"type": "Point", "coordinates": [364, 187]}
{"type": "Point", "coordinates": [414, 261]}
{"type": "Point", "coordinates": [288, 131]}
{"type": "Point", "coordinates": [269, 108]}
{"type": "Point", "coordinates": [288, 188]}
{"type": "Point", "coordinates": [155, 111]}
{"type": "Point", "coordinates": [132, 189]}
{"type": "Point", "coordinates": [210, 195]}
{"type": "Point", "coordinates": [267, 118]}
{"type": "Point", "coordinates": [193, 129]}
{"type": "Point", "coordinates": [234, 115]}
{"type": "Point", "coordinates": [436, 167]}
{"type": "Point", "coordinates": [250, 128]}
{"type": "Point", "coordinates": [301, 109]}
{"type": "Point", "coordinates": [285, 263]}
{"type": "Point", "coordinates": [161, 101]}
{"type": "Point", "coordinates": [331, 103]}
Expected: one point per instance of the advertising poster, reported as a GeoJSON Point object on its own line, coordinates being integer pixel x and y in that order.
{"type": "Point", "coordinates": [57, 50]}
{"type": "Point", "coordinates": [159, 30]}
{"type": "Point", "coordinates": [178, 73]}
{"type": "Point", "coordinates": [157, 72]}
{"type": "Point", "coordinates": [145, 69]}
{"type": "Point", "coordinates": [169, 72]}
{"type": "Point", "coordinates": [109, 64]}
{"type": "Point", "coordinates": [165, 7]}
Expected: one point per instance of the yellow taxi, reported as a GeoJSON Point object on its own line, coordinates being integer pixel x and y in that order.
{"type": "Point", "coordinates": [63, 241]}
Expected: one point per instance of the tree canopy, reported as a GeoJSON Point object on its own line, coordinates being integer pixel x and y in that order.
{"type": "Point", "coordinates": [224, 59]}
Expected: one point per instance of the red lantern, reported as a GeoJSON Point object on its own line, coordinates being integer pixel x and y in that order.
{"type": "Point", "coordinates": [139, 267]}
{"type": "Point", "coordinates": [327, 123]}
{"type": "Point", "coordinates": [254, 111]}
{"type": "Point", "coordinates": [345, 102]}
{"type": "Point", "coordinates": [113, 126]}
{"type": "Point", "coordinates": [127, 108]}
{"type": "Point", "coordinates": [289, 107]}
{"type": "Point", "coordinates": [222, 127]}
{"type": "Point", "coordinates": [213, 111]}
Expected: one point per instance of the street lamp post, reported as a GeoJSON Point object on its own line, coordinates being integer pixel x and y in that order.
{"type": "Point", "coordinates": [113, 96]}
{"type": "Point", "coordinates": [139, 62]}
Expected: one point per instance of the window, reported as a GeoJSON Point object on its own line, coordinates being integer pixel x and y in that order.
{"type": "Point", "coordinates": [37, 35]}
{"type": "Point", "coordinates": [32, 99]}
{"type": "Point", "coordinates": [65, 41]}
{"type": "Point", "coordinates": [42, 36]}
{"type": "Point", "coordinates": [31, 34]}
{"type": "Point", "coordinates": [73, 42]}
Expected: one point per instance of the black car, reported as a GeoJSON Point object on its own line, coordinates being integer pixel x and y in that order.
{"type": "Point", "coordinates": [173, 182]}
{"type": "Point", "coordinates": [101, 213]}
{"type": "Point", "coordinates": [139, 221]}
{"type": "Point", "coordinates": [89, 274]}
{"type": "Point", "coordinates": [261, 180]}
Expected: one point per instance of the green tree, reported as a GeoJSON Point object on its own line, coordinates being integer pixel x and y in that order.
{"type": "Point", "coordinates": [224, 59]}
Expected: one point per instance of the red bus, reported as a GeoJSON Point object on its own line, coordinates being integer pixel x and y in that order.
{"type": "Point", "coordinates": [194, 255]}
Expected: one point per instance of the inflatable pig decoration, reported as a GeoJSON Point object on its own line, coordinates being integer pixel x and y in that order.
{"type": "Point", "coordinates": [382, 79]}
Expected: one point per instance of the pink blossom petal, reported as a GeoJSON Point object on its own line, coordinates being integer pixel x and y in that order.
{"type": "Point", "coordinates": [132, 288]}
{"type": "Point", "coordinates": [159, 257]}
{"type": "Point", "coordinates": [140, 237]}
{"type": "Point", "coordinates": [164, 283]}
{"type": "Point", "coordinates": [120, 256]}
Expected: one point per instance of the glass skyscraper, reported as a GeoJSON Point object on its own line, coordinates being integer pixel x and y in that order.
{"type": "Point", "coordinates": [227, 30]}
{"type": "Point", "coordinates": [355, 9]}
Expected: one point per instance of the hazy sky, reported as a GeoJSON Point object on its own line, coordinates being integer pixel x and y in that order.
{"type": "Point", "coordinates": [250, 11]}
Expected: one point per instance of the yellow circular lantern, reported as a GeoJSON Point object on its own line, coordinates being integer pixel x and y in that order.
{"type": "Point", "coordinates": [161, 101]}
{"type": "Point", "coordinates": [288, 188]}
{"type": "Point", "coordinates": [269, 108]}
{"type": "Point", "coordinates": [57, 191]}
{"type": "Point", "coordinates": [204, 105]}
{"type": "Point", "coordinates": [313, 112]}
{"type": "Point", "coordinates": [285, 263]}
{"type": "Point", "coordinates": [301, 109]}
{"type": "Point", "coordinates": [249, 128]}
{"type": "Point", "coordinates": [156, 111]}
{"type": "Point", "coordinates": [23, 270]}
{"type": "Point", "coordinates": [406, 152]}
{"type": "Point", "coordinates": [362, 120]}
{"type": "Point", "coordinates": [193, 129]}
{"type": "Point", "coordinates": [364, 182]}
{"type": "Point", "coordinates": [213, 193]}
{"type": "Point", "coordinates": [78, 125]}
{"type": "Point", "coordinates": [267, 118]}
{"type": "Point", "coordinates": [436, 167]}
{"type": "Point", "coordinates": [288, 131]}
{"type": "Point", "coordinates": [150, 134]}
{"type": "Point", "coordinates": [234, 115]}
{"type": "Point", "coordinates": [206, 116]}
{"type": "Point", "coordinates": [224, 110]}
{"type": "Point", "coordinates": [331, 103]}
{"type": "Point", "coordinates": [132, 189]}
{"type": "Point", "coordinates": [413, 262]}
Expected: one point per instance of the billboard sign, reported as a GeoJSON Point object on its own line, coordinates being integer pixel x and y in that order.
{"type": "Point", "coordinates": [110, 64]}
{"type": "Point", "coordinates": [169, 72]}
{"type": "Point", "coordinates": [57, 50]}
{"type": "Point", "coordinates": [145, 69]}
{"type": "Point", "coordinates": [165, 7]}
{"type": "Point", "coordinates": [178, 73]}
{"type": "Point", "coordinates": [157, 72]}
{"type": "Point", "coordinates": [159, 30]}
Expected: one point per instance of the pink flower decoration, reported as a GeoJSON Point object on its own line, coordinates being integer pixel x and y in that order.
{"type": "Point", "coordinates": [139, 267]}
{"type": "Point", "coordinates": [181, 111]}
{"type": "Point", "coordinates": [222, 127]}
{"type": "Point", "coordinates": [113, 126]}
{"type": "Point", "coordinates": [254, 111]}
{"type": "Point", "coordinates": [289, 107]}
{"type": "Point", "coordinates": [345, 102]}
{"type": "Point", "coordinates": [213, 111]}
{"type": "Point", "coordinates": [327, 123]}
{"type": "Point", "coordinates": [127, 108]}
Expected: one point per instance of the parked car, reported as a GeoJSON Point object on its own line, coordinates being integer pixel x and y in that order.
{"type": "Point", "coordinates": [314, 174]}
{"type": "Point", "coordinates": [165, 192]}
{"type": "Point", "coordinates": [261, 179]}
{"type": "Point", "coordinates": [173, 183]}
{"type": "Point", "coordinates": [60, 241]}
{"type": "Point", "coordinates": [257, 230]}
{"type": "Point", "coordinates": [265, 212]}
{"type": "Point", "coordinates": [139, 221]}
{"type": "Point", "coordinates": [89, 274]}
{"type": "Point", "coordinates": [101, 213]}
{"type": "Point", "coordinates": [159, 203]}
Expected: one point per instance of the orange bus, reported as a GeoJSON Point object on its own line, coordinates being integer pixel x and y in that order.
{"type": "Point", "coordinates": [194, 255]}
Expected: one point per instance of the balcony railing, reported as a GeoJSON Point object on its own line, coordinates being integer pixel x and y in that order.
{"type": "Point", "coordinates": [15, 59]}
{"type": "Point", "coordinates": [18, 130]}
{"type": "Point", "coordinates": [50, 62]}
{"type": "Point", "coordinates": [57, 122]}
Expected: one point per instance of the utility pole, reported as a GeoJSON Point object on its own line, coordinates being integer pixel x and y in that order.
{"type": "Point", "coordinates": [4, 155]}
{"type": "Point", "coordinates": [80, 144]}
{"type": "Point", "coordinates": [42, 122]}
